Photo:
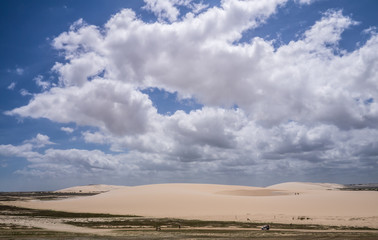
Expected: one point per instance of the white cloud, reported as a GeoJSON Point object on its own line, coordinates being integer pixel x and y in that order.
{"type": "Point", "coordinates": [39, 141]}
{"type": "Point", "coordinates": [19, 151]}
{"type": "Point", "coordinates": [95, 137]}
{"type": "Point", "coordinates": [71, 163]}
{"type": "Point", "coordinates": [12, 86]}
{"type": "Point", "coordinates": [79, 69]}
{"type": "Point", "coordinates": [303, 106]}
{"type": "Point", "coordinates": [25, 92]}
{"type": "Point", "coordinates": [255, 152]}
{"type": "Point", "coordinates": [67, 129]}
{"type": "Point", "coordinates": [371, 30]}
{"type": "Point", "coordinates": [198, 7]}
{"type": "Point", "coordinates": [208, 143]}
{"type": "Point", "coordinates": [40, 83]}
{"type": "Point", "coordinates": [305, 1]}
{"type": "Point", "coordinates": [163, 9]}
{"type": "Point", "coordinates": [328, 30]}
{"type": "Point", "coordinates": [167, 9]}
{"type": "Point", "coordinates": [19, 71]}
{"type": "Point", "coordinates": [111, 106]}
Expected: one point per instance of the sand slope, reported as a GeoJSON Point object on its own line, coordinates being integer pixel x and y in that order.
{"type": "Point", "coordinates": [276, 203]}
{"type": "Point", "coordinates": [98, 188]}
{"type": "Point", "coordinates": [299, 186]}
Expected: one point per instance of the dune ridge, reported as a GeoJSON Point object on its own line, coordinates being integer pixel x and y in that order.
{"type": "Point", "coordinates": [93, 188]}
{"type": "Point", "coordinates": [306, 203]}
{"type": "Point", "coordinates": [296, 186]}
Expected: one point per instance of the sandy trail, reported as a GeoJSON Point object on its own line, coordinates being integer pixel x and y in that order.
{"type": "Point", "coordinates": [51, 224]}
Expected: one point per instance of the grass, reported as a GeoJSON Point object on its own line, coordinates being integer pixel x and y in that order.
{"type": "Point", "coordinates": [28, 233]}
{"type": "Point", "coordinates": [175, 223]}
{"type": "Point", "coordinates": [35, 234]}
{"type": "Point", "coordinates": [15, 196]}
{"type": "Point", "coordinates": [13, 226]}
{"type": "Point", "coordinates": [18, 211]}
{"type": "Point", "coordinates": [244, 234]}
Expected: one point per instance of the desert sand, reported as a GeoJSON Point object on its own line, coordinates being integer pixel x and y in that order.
{"type": "Point", "coordinates": [307, 203]}
{"type": "Point", "coordinates": [98, 188]}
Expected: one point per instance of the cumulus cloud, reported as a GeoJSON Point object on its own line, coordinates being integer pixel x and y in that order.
{"type": "Point", "coordinates": [67, 129]}
{"type": "Point", "coordinates": [168, 10]}
{"type": "Point", "coordinates": [164, 9]}
{"type": "Point", "coordinates": [40, 83]}
{"type": "Point", "coordinates": [198, 7]}
{"type": "Point", "coordinates": [303, 106]}
{"type": "Point", "coordinates": [19, 71]}
{"type": "Point", "coordinates": [305, 1]}
{"type": "Point", "coordinates": [25, 92]}
{"type": "Point", "coordinates": [68, 162]}
{"type": "Point", "coordinates": [18, 151]}
{"type": "Point", "coordinates": [12, 86]}
{"type": "Point", "coordinates": [39, 141]}
{"type": "Point", "coordinates": [111, 106]}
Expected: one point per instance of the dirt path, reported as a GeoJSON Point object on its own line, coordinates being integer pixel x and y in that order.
{"type": "Point", "coordinates": [277, 230]}
{"type": "Point", "coordinates": [51, 224]}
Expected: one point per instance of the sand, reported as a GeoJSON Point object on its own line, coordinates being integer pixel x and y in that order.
{"type": "Point", "coordinates": [307, 203]}
{"type": "Point", "coordinates": [50, 224]}
{"type": "Point", "coordinates": [94, 188]}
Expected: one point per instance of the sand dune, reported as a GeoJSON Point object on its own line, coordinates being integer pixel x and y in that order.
{"type": "Point", "coordinates": [278, 203]}
{"type": "Point", "coordinates": [95, 188]}
{"type": "Point", "coordinates": [299, 186]}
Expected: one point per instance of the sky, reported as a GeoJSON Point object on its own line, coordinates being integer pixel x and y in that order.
{"type": "Point", "coordinates": [187, 91]}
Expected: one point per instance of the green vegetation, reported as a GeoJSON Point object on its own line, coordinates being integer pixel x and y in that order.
{"type": "Point", "coordinates": [15, 196]}
{"type": "Point", "coordinates": [18, 211]}
{"type": "Point", "coordinates": [360, 187]}
{"type": "Point", "coordinates": [37, 234]}
{"type": "Point", "coordinates": [182, 223]}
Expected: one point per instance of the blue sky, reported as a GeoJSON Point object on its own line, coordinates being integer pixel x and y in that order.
{"type": "Point", "coordinates": [227, 92]}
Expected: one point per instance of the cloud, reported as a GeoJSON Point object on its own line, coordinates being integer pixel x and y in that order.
{"type": "Point", "coordinates": [80, 159]}
{"type": "Point", "coordinates": [111, 106]}
{"type": "Point", "coordinates": [18, 151]}
{"type": "Point", "coordinates": [164, 9]}
{"type": "Point", "coordinates": [40, 141]}
{"type": "Point", "coordinates": [19, 71]}
{"type": "Point", "coordinates": [12, 86]}
{"type": "Point", "coordinates": [25, 92]}
{"type": "Point", "coordinates": [305, 1]}
{"type": "Point", "coordinates": [371, 30]}
{"type": "Point", "coordinates": [42, 84]}
{"type": "Point", "coordinates": [79, 69]}
{"type": "Point", "coordinates": [67, 129]}
{"type": "Point", "coordinates": [305, 106]}
{"type": "Point", "coordinates": [72, 163]}
{"type": "Point", "coordinates": [205, 144]}
{"type": "Point", "coordinates": [198, 7]}
{"type": "Point", "coordinates": [169, 9]}
{"type": "Point", "coordinates": [328, 30]}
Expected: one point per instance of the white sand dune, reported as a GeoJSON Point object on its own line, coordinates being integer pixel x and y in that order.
{"type": "Point", "coordinates": [279, 203]}
{"type": "Point", "coordinates": [94, 188]}
{"type": "Point", "coordinates": [299, 186]}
